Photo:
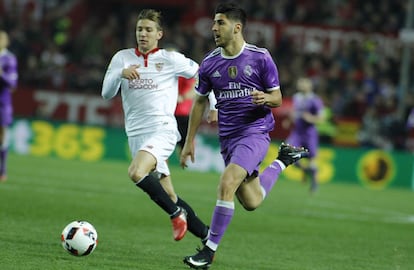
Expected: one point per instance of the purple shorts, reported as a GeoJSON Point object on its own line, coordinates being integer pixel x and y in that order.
{"type": "Point", "coordinates": [246, 151]}
{"type": "Point", "coordinates": [309, 140]}
{"type": "Point", "coordinates": [6, 115]}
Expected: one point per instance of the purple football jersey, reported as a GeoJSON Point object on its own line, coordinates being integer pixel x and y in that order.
{"type": "Point", "coordinates": [8, 81]}
{"type": "Point", "coordinates": [232, 79]}
{"type": "Point", "coordinates": [305, 103]}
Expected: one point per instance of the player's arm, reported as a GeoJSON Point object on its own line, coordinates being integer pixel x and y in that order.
{"type": "Point", "coordinates": [313, 118]}
{"type": "Point", "coordinates": [130, 73]}
{"type": "Point", "coordinates": [196, 115]}
{"type": "Point", "coordinates": [272, 98]}
{"type": "Point", "coordinates": [114, 75]}
{"type": "Point", "coordinates": [187, 95]}
{"type": "Point", "coordinates": [9, 75]}
{"type": "Point", "coordinates": [187, 88]}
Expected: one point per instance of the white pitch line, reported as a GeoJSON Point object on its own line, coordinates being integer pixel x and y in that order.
{"type": "Point", "coordinates": [365, 213]}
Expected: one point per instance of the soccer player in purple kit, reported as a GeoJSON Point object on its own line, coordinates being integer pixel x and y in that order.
{"type": "Point", "coordinates": [306, 113]}
{"type": "Point", "coordinates": [245, 81]}
{"type": "Point", "coordinates": [8, 83]}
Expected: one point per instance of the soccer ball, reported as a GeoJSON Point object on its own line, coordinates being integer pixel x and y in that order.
{"type": "Point", "coordinates": [79, 238]}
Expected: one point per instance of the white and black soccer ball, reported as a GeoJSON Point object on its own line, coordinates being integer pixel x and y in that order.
{"type": "Point", "coordinates": [79, 238]}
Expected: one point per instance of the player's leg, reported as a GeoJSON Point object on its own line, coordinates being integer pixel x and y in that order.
{"type": "Point", "coordinates": [152, 153]}
{"type": "Point", "coordinates": [5, 121]}
{"type": "Point", "coordinates": [230, 180]}
{"type": "Point", "coordinates": [296, 139]}
{"type": "Point", "coordinates": [255, 187]}
{"type": "Point", "coordinates": [250, 193]}
{"type": "Point", "coordinates": [166, 183]}
{"type": "Point", "coordinates": [253, 190]}
{"type": "Point", "coordinates": [312, 169]}
{"type": "Point", "coordinates": [223, 213]}
{"type": "Point", "coordinates": [235, 151]}
{"type": "Point", "coordinates": [139, 172]}
{"type": "Point", "coordinates": [194, 223]}
{"type": "Point", "coordinates": [244, 156]}
{"type": "Point", "coordinates": [3, 154]}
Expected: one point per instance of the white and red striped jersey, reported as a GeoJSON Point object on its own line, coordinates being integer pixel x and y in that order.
{"type": "Point", "coordinates": [148, 102]}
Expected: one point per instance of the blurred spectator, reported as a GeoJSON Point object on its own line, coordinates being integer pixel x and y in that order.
{"type": "Point", "coordinates": [52, 63]}
{"type": "Point", "coordinates": [371, 134]}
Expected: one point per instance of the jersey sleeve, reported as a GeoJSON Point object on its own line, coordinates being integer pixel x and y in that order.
{"type": "Point", "coordinates": [112, 80]}
{"type": "Point", "coordinates": [184, 67]}
{"type": "Point", "coordinates": [9, 75]}
{"type": "Point", "coordinates": [270, 73]}
{"type": "Point", "coordinates": [203, 86]}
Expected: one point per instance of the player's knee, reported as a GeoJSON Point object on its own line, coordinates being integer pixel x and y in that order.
{"type": "Point", "coordinates": [135, 174]}
{"type": "Point", "coordinates": [227, 188]}
{"type": "Point", "coordinates": [250, 206]}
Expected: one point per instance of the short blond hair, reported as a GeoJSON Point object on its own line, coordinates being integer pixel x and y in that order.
{"type": "Point", "coordinates": [152, 15]}
{"type": "Point", "coordinates": [304, 84]}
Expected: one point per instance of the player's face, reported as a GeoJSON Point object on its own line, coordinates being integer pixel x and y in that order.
{"type": "Point", "coordinates": [223, 30]}
{"type": "Point", "coordinates": [4, 40]}
{"type": "Point", "coordinates": [147, 35]}
{"type": "Point", "coordinates": [304, 85]}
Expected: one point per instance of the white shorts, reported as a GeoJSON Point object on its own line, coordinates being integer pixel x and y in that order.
{"type": "Point", "coordinates": [161, 145]}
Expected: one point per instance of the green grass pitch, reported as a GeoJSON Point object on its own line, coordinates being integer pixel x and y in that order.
{"type": "Point", "coordinates": [343, 226]}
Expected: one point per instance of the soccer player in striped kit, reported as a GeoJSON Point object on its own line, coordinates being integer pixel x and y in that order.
{"type": "Point", "coordinates": [148, 79]}
{"type": "Point", "coordinates": [8, 83]}
{"type": "Point", "coordinates": [244, 79]}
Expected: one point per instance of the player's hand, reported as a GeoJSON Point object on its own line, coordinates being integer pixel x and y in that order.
{"type": "Point", "coordinates": [188, 150]}
{"type": "Point", "coordinates": [258, 97]}
{"type": "Point", "coordinates": [308, 117]}
{"type": "Point", "coordinates": [131, 72]}
{"type": "Point", "coordinates": [286, 123]}
{"type": "Point", "coordinates": [180, 98]}
{"type": "Point", "coordinates": [212, 116]}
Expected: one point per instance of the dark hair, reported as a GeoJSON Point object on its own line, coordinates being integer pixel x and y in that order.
{"type": "Point", "coordinates": [232, 11]}
{"type": "Point", "coordinates": [152, 15]}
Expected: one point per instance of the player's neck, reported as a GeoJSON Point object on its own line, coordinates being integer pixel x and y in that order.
{"type": "Point", "coordinates": [143, 52]}
{"type": "Point", "coordinates": [234, 47]}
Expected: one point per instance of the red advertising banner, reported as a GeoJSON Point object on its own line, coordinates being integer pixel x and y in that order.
{"type": "Point", "coordinates": [68, 106]}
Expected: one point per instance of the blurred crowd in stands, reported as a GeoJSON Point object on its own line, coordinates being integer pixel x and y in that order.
{"type": "Point", "coordinates": [65, 45]}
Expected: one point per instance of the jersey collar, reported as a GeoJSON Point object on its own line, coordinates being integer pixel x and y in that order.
{"type": "Point", "coordinates": [137, 52]}
{"type": "Point", "coordinates": [145, 55]}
